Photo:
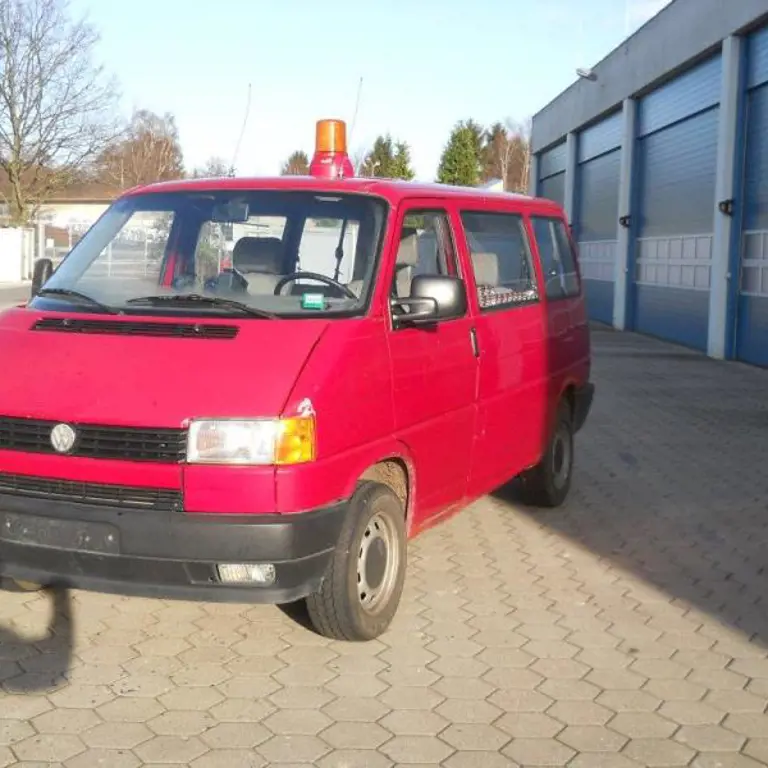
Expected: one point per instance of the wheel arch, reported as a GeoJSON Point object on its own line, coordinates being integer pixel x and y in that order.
{"type": "Point", "coordinates": [396, 471]}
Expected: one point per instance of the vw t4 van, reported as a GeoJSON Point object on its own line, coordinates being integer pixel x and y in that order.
{"type": "Point", "coordinates": [258, 390]}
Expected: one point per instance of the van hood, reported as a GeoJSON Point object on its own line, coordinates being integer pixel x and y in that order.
{"type": "Point", "coordinates": [101, 374]}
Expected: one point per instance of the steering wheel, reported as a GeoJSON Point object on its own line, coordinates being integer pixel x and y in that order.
{"type": "Point", "coordinates": [346, 292]}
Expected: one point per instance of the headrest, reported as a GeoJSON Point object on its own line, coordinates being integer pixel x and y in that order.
{"type": "Point", "coordinates": [408, 252]}
{"type": "Point", "coordinates": [486, 266]}
{"type": "Point", "coordinates": [258, 254]}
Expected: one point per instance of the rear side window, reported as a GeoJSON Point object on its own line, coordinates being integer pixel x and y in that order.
{"type": "Point", "coordinates": [501, 259]}
{"type": "Point", "coordinates": [558, 261]}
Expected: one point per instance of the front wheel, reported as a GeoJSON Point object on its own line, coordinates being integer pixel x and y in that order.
{"type": "Point", "coordinates": [362, 588]}
{"type": "Point", "coordinates": [547, 484]}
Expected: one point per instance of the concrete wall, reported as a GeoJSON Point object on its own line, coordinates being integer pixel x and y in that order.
{"type": "Point", "coordinates": [683, 32]}
{"type": "Point", "coordinates": [16, 246]}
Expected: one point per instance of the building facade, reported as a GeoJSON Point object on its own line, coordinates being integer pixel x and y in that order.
{"type": "Point", "coordinates": [661, 163]}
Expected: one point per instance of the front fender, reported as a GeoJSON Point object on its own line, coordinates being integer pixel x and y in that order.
{"type": "Point", "coordinates": [331, 480]}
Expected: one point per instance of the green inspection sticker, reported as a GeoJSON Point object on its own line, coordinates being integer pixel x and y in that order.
{"type": "Point", "coordinates": [312, 301]}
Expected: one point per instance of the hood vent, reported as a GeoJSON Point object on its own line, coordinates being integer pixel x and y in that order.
{"type": "Point", "coordinates": [132, 328]}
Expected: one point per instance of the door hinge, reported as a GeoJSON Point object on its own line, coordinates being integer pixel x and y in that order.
{"type": "Point", "coordinates": [473, 338]}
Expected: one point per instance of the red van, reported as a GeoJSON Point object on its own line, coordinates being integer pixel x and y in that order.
{"type": "Point", "coordinates": [377, 355]}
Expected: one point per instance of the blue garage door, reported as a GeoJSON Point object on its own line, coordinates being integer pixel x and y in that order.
{"type": "Point", "coordinates": [552, 174]}
{"type": "Point", "coordinates": [677, 158]}
{"type": "Point", "coordinates": [752, 317]}
{"type": "Point", "coordinates": [597, 213]}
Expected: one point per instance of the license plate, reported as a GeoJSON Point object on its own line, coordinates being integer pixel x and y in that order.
{"type": "Point", "coordinates": [73, 535]}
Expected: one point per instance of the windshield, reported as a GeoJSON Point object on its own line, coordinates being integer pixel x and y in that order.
{"type": "Point", "coordinates": [223, 252]}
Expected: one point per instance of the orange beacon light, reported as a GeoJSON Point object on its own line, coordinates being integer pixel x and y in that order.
{"type": "Point", "coordinates": [331, 160]}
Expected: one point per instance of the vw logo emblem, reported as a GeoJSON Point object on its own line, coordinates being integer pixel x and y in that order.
{"type": "Point", "coordinates": [63, 438]}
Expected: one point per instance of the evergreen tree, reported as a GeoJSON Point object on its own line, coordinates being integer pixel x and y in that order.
{"type": "Point", "coordinates": [378, 162]}
{"type": "Point", "coordinates": [297, 164]}
{"type": "Point", "coordinates": [462, 160]}
{"type": "Point", "coordinates": [401, 163]}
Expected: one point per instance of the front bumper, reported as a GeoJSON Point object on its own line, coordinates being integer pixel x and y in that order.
{"type": "Point", "coordinates": [164, 554]}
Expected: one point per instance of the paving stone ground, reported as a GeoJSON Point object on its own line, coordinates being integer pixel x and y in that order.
{"type": "Point", "coordinates": [629, 628]}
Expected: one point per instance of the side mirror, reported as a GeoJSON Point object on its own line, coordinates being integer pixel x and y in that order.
{"type": "Point", "coordinates": [42, 270]}
{"type": "Point", "coordinates": [433, 298]}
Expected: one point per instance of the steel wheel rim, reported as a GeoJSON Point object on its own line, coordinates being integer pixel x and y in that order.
{"type": "Point", "coordinates": [561, 456]}
{"type": "Point", "coordinates": [378, 562]}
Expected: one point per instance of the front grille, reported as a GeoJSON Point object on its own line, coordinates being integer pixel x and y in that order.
{"type": "Point", "coordinates": [137, 328]}
{"type": "Point", "coordinates": [156, 499]}
{"type": "Point", "coordinates": [96, 442]}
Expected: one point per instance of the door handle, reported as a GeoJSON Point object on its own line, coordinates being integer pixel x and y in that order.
{"type": "Point", "coordinates": [473, 339]}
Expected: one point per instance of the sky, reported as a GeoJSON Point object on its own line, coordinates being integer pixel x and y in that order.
{"type": "Point", "coordinates": [424, 64]}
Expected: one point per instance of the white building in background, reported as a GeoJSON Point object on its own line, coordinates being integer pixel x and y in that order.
{"type": "Point", "coordinates": [495, 185]}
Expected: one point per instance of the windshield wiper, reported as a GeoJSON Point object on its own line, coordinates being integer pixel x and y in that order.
{"type": "Point", "coordinates": [197, 298]}
{"type": "Point", "coordinates": [69, 293]}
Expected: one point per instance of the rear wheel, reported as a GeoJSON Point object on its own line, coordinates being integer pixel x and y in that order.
{"type": "Point", "coordinates": [548, 483]}
{"type": "Point", "coordinates": [361, 591]}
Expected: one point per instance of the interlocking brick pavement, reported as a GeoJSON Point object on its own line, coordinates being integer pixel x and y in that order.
{"type": "Point", "coordinates": [629, 628]}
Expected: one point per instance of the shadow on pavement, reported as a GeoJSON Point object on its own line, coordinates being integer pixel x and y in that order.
{"type": "Point", "coordinates": [44, 662]}
{"type": "Point", "coordinates": [670, 481]}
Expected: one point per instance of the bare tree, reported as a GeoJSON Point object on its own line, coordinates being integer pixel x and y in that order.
{"type": "Point", "coordinates": [214, 167]}
{"type": "Point", "coordinates": [519, 168]}
{"type": "Point", "coordinates": [359, 162]}
{"type": "Point", "coordinates": [506, 154]}
{"type": "Point", "coordinates": [147, 150]}
{"type": "Point", "coordinates": [56, 105]}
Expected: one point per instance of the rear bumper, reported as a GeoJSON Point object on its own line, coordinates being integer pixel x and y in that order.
{"type": "Point", "coordinates": [159, 554]}
{"type": "Point", "coordinates": [582, 404]}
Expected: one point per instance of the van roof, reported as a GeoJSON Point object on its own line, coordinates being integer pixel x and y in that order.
{"type": "Point", "coordinates": [392, 189]}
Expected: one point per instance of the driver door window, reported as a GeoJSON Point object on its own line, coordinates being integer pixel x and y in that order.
{"type": "Point", "coordinates": [425, 248]}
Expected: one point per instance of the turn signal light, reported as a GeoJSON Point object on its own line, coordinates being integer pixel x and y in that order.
{"type": "Point", "coordinates": [296, 441]}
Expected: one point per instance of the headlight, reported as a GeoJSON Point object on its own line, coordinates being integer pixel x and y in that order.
{"type": "Point", "coordinates": [252, 441]}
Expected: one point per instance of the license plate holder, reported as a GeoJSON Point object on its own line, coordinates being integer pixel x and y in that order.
{"type": "Point", "coordinates": [53, 533]}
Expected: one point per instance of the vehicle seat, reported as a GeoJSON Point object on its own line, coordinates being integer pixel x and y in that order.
{"type": "Point", "coordinates": [486, 268]}
{"type": "Point", "coordinates": [407, 260]}
{"type": "Point", "coordinates": [259, 260]}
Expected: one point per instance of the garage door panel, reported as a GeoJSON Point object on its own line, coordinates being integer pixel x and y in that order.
{"type": "Point", "coordinates": [598, 197]}
{"type": "Point", "coordinates": [694, 91]}
{"type": "Point", "coordinates": [600, 138]}
{"type": "Point", "coordinates": [673, 250]}
{"type": "Point", "coordinates": [552, 161]}
{"type": "Point", "coordinates": [596, 228]}
{"type": "Point", "coordinates": [599, 297]}
{"type": "Point", "coordinates": [677, 171]}
{"type": "Point", "coordinates": [753, 330]}
{"type": "Point", "coordinates": [676, 314]}
{"type": "Point", "coordinates": [751, 342]}
{"type": "Point", "coordinates": [752, 308]}
{"type": "Point", "coordinates": [756, 176]}
{"type": "Point", "coordinates": [553, 188]}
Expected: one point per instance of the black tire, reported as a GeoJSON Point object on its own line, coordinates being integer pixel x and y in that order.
{"type": "Point", "coordinates": [548, 483]}
{"type": "Point", "coordinates": [343, 609]}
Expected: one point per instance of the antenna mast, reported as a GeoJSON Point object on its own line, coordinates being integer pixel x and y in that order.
{"type": "Point", "coordinates": [242, 129]}
{"type": "Point", "coordinates": [357, 107]}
